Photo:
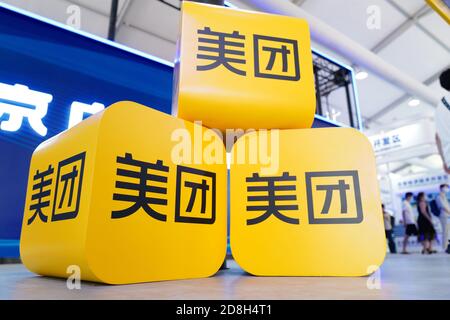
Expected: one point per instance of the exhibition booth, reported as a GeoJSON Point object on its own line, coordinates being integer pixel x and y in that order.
{"type": "Point", "coordinates": [219, 155]}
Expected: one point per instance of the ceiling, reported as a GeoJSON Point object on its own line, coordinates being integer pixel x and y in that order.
{"type": "Point", "coordinates": [411, 37]}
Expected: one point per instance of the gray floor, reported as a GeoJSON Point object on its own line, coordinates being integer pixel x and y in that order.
{"type": "Point", "coordinates": [402, 277]}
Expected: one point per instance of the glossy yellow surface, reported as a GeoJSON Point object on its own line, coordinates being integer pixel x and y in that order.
{"type": "Point", "coordinates": [165, 239]}
{"type": "Point", "coordinates": [293, 230]}
{"type": "Point", "coordinates": [257, 73]}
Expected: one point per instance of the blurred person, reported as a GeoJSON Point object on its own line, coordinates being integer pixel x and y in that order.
{"type": "Point", "coordinates": [442, 120]}
{"type": "Point", "coordinates": [444, 208]}
{"type": "Point", "coordinates": [389, 230]}
{"type": "Point", "coordinates": [408, 221]}
{"type": "Point", "coordinates": [425, 222]}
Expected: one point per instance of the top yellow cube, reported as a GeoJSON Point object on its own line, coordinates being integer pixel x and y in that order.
{"type": "Point", "coordinates": [243, 69]}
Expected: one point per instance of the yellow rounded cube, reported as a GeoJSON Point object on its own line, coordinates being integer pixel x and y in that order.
{"type": "Point", "coordinates": [313, 210]}
{"type": "Point", "coordinates": [242, 69]}
{"type": "Point", "coordinates": [111, 197]}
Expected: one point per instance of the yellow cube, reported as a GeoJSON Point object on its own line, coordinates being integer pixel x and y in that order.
{"type": "Point", "coordinates": [313, 210]}
{"type": "Point", "coordinates": [242, 69]}
{"type": "Point", "coordinates": [112, 197]}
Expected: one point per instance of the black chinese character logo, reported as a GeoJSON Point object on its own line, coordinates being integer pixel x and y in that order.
{"type": "Point", "coordinates": [273, 206]}
{"type": "Point", "coordinates": [42, 180]}
{"type": "Point", "coordinates": [342, 187]}
{"type": "Point", "coordinates": [201, 187]}
{"type": "Point", "coordinates": [141, 200]}
{"type": "Point", "coordinates": [277, 49]}
{"type": "Point", "coordinates": [224, 49]}
{"type": "Point", "coordinates": [68, 188]}
{"type": "Point", "coordinates": [340, 191]}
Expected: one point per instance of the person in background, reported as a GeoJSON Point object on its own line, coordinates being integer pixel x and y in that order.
{"type": "Point", "coordinates": [444, 208]}
{"type": "Point", "coordinates": [388, 230]}
{"type": "Point", "coordinates": [442, 121]}
{"type": "Point", "coordinates": [425, 222]}
{"type": "Point", "coordinates": [408, 221]}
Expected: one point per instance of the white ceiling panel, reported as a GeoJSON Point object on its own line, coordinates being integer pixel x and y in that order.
{"type": "Point", "coordinates": [154, 17]}
{"type": "Point", "coordinates": [94, 23]}
{"type": "Point", "coordinates": [410, 6]}
{"type": "Point", "coordinates": [54, 9]}
{"type": "Point", "coordinates": [350, 17]}
{"type": "Point", "coordinates": [100, 6]}
{"type": "Point", "coordinates": [416, 54]}
{"type": "Point", "coordinates": [57, 10]}
{"type": "Point", "coordinates": [437, 26]}
{"type": "Point", "coordinates": [146, 42]}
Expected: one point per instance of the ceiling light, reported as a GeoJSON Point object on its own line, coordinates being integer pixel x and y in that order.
{"type": "Point", "coordinates": [361, 75]}
{"type": "Point", "coordinates": [413, 102]}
